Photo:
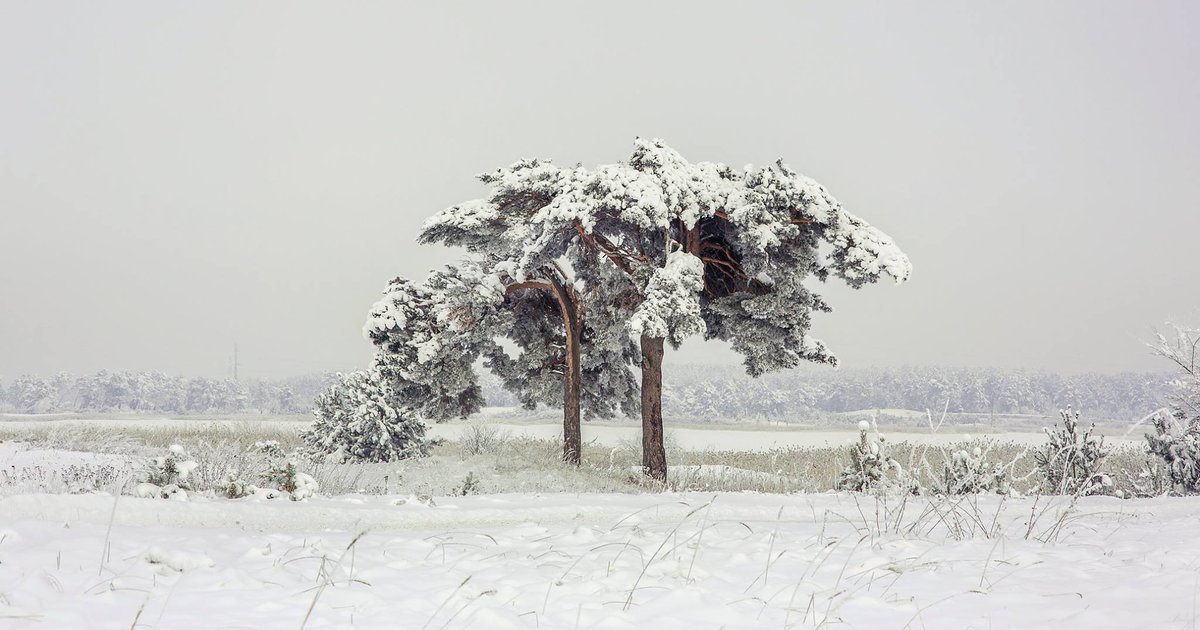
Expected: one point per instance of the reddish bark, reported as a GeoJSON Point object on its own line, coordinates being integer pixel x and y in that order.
{"type": "Point", "coordinates": [654, 455]}
{"type": "Point", "coordinates": [573, 376]}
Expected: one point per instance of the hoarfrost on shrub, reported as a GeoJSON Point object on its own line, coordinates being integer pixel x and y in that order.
{"type": "Point", "coordinates": [1070, 462]}
{"type": "Point", "coordinates": [870, 466]}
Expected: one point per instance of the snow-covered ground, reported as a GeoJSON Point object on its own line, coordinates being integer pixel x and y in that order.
{"type": "Point", "coordinates": [85, 558]}
{"type": "Point", "coordinates": [595, 561]}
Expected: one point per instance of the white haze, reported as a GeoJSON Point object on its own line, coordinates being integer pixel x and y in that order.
{"type": "Point", "coordinates": [175, 178]}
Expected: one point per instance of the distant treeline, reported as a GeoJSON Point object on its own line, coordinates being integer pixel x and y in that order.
{"type": "Point", "coordinates": [157, 392]}
{"type": "Point", "coordinates": [699, 392]}
{"type": "Point", "coordinates": [723, 392]}
{"type": "Point", "coordinates": [710, 392]}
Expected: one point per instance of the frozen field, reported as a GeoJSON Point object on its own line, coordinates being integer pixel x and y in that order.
{"type": "Point", "coordinates": [556, 556]}
{"type": "Point", "coordinates": [597, 561]}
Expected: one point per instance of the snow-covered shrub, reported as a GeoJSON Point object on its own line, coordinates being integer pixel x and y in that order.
{"type": "Point", "coordinates": [233, 486]}
{"type": "Point", "coordinates": [359, 418]}
{"type": "Point", "coordinates": [169, 474]}
{"type": "Point", "coordinates": [478, 439]}
{"type": "Point", "coordinates": [285, 476]}
{"type": "Point", "coordinates": [1070, 462]}
{"type": "Point", "coordinates": [270, 448]}
{"type": "Point", "coordinates": [470, 485]}
{"type": "Point", "coordinates": [1176, 441]}
{"type": "Point", "coordinates": [870, 466]}
{"type": "Point", "coordinates": [1151, 481]}
{"type": "Point", "coordinates": [968, 471]}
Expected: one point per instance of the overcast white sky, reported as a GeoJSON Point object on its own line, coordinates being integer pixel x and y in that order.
{"type": "Point", "coordinates": [175, 177]}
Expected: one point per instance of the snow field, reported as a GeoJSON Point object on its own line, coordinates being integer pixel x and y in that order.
{"type": "Point", "coordinates": [597, 561]}
{"type": "Point", "coordinates": [391, 545]}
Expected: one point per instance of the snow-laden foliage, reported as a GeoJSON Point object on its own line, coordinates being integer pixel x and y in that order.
{"type": "Point", "coordinates": [757, 233]}
{"type": "Point", "coordinates": [610, 387]}
{"type": "Point", "coordinates": [1181, 346]}
{"type": "Point", "coordinates": [429, 334]}
{"type": "Point", "coordinates": [234, 486]}
{"type": "Point", "coordinates": [360, 419]}
{"type": "Point", "coordinates": [968, 471]}
{"type": "Point", "coordinates": [30, 394]}
{"type": "Point", "coordinates": [870, 465]}
{"type": "Point", "coordinates": [1070, 461]}
{"type": "Point", "coordinates": [698, 247]}
{"type": "Point", "coordinates": [270, 448]}
{"type": "Point", "coordinates": [285, 475]}
{"type": "Point", "coordinates": [669, 310]}
{"type": "Point", "coordinates": [548, 280]}
{"type": "Point", "coordinates": [168, 476]}
{"type": "Point", "coordinates": [1176, 441]}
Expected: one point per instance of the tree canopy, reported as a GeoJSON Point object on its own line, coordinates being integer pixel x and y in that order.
{"type": "Point", "coordinates": [655, 249]}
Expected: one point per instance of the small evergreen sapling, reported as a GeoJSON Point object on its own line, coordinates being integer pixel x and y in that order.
{"type": "Point", "coordinates": [1070, 462]}
{"type": "Point", "coordinates": [167, 476]}
{"type": "Point", "coordinates": [361, 419]}
{"type": "Point", "coordinates": [470, 485]}
{"type": "Point", "coordinates": [970, 472]}
{"type": "Point", "coordinates": [233, 486]}
{"type": "Point", "coordinates": [870, 466]}
{"type": "Point", "coordinates": [285, 476]}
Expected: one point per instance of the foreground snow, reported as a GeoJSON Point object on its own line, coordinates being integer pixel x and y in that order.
{"type": "Point", "coordinates": [602, 561]}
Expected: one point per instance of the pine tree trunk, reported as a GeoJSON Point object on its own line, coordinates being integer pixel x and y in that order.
{"type": "Point", "coordinates": [572, 388]}
{"type": "Point", "coordinates": [654, 455]}
{"type": "Point", "coordinates": [573, 378]}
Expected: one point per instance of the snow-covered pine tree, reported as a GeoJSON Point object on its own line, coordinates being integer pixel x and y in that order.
{"type": "Point", "coordinates": [562, 296]}
{"type": "Point", "coordinates": [360, 418]}
{"type": "Point", "coordinates": [702, 248]}
{"type": "Point", "coordinates": [1070, 461]}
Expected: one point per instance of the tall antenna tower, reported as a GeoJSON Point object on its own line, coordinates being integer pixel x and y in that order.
{"type": "Point", "coordinates": [235, 361]}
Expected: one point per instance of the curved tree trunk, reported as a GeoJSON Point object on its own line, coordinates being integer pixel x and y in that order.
{"type": "Point", "coordinates": [573, 377]}
{"type": "Point", "coordinates": [654, 455]}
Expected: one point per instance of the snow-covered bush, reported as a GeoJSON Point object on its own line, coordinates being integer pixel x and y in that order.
{"type": "Point", "coordinates": [1070, 462]}
{"type": "Point", "coordinates": [168, 475]}
{"type": "Point", "coordinates": [360, 418]}
{"type": "Point", "coordinates": [1176, 441]}
{"type": "Point", "coordinates": [470, 485]}
{"type": "Point", "coordinates": [870, 466]}
{"type": "Point", "coordinates": [1151, 481]}
{"type": "Point", "coordinates": [968, 471]}
{"type": "Point", "coordinates": [270, 448]}
{"type": "Point", "coordinates": [233, 486]}
{"type": "Point", "coordinates": [285, 476]}
{"type": "Point", "coordinates": [478, 439]}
